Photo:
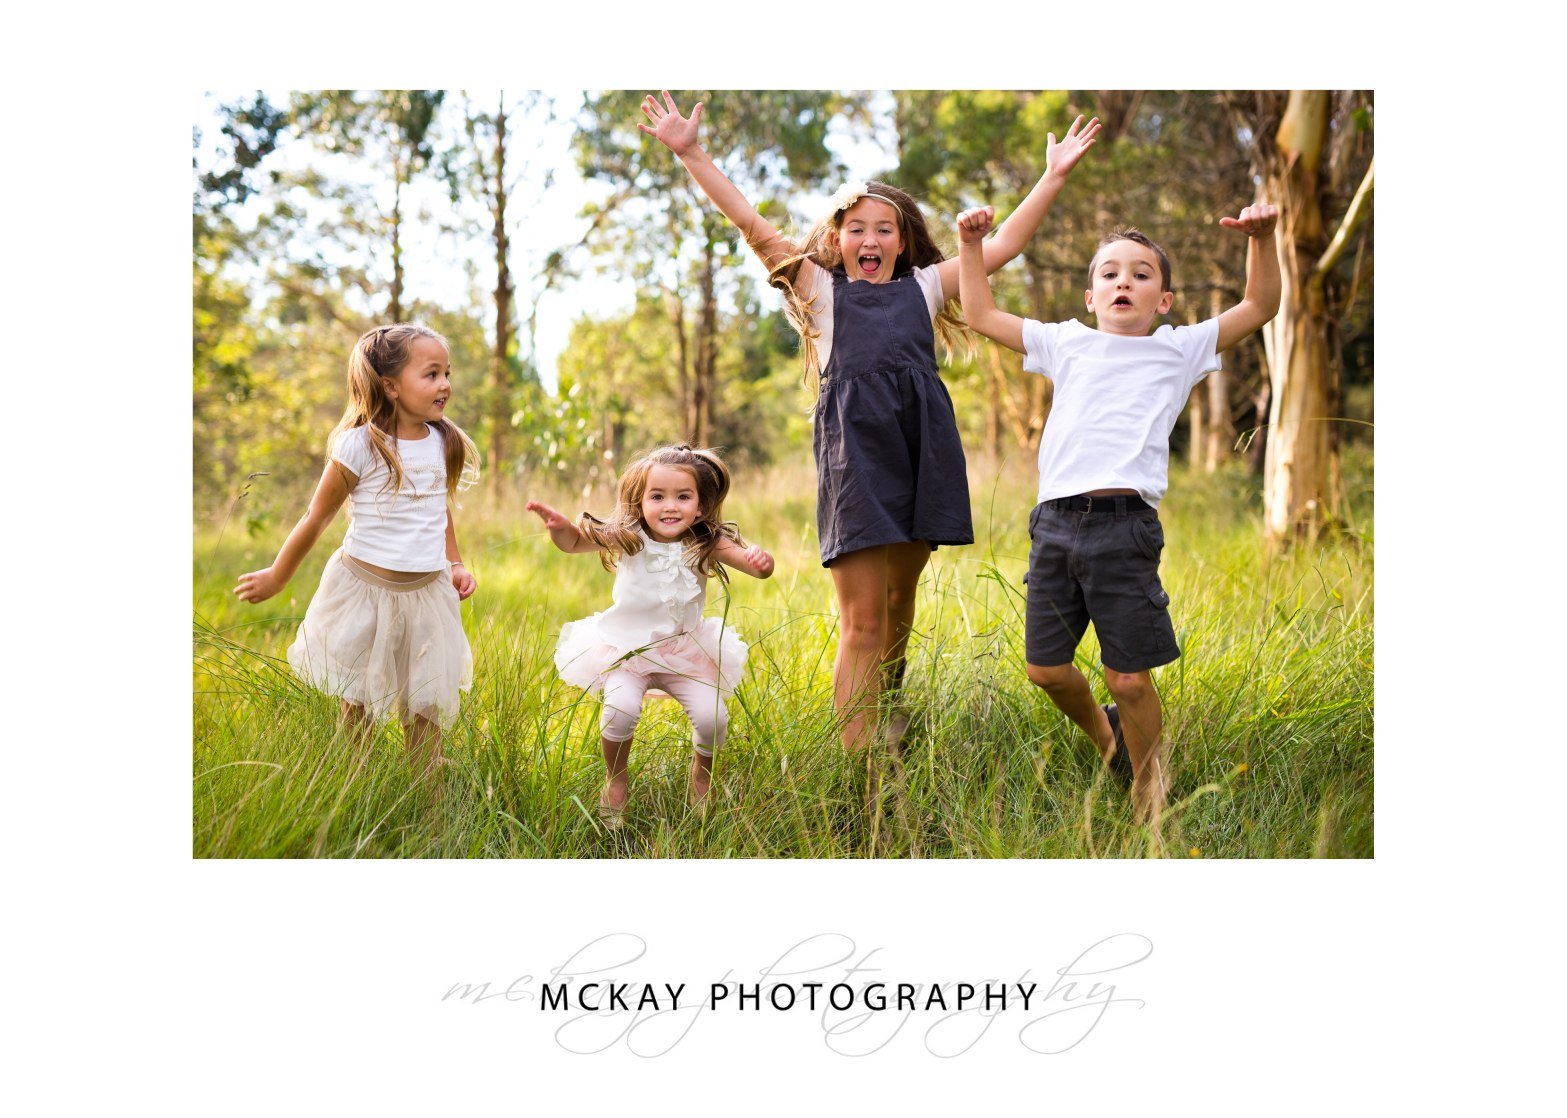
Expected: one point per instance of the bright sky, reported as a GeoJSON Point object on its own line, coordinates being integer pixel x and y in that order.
{"type": "Point", "coordinates": [442, 266]}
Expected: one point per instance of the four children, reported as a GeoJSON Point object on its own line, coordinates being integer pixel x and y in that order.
{"type": "Point", "coordinates": [383, 636]}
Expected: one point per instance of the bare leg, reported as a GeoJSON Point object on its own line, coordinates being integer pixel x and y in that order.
{"type": "Point", "coordinates": [1068, 688]}
{"type": "Point", "coordinates": [355, 726]}
{"type": "Point", "coordinates": [1142, 725]}
{"type": "Point", "coordinates": [424, 743]}
{"type": "Point", "coordinates": [617, 779]}
{"type": "Point", "coordinates": [905, 563]}
{"type": "Point", "coordinates": [860, 581]}
{"type": "Point", "coordinates": [701, 778]}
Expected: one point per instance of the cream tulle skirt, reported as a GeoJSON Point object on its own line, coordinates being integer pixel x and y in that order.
{"type": "Point", "coordinates": [714, 653]}
{"type": "Point", "coordinates": [386, 646]}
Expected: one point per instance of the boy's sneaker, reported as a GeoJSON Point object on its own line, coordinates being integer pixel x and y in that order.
{"type": "Point", "coordinates": [1121, 760]}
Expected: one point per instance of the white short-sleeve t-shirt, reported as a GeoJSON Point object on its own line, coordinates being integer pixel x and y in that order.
{"type": "Point", "coordinates": [402, 530]}
{"type": "Point", "coordinates": [1116, 402]}
{"type": "Point", "coordinates": [816, 283]}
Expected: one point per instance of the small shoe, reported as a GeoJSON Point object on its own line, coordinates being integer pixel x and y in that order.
{"type": "Point", "coordinates": [1121, 760]}
{"type": "Point", "coordinates": [611, 816]}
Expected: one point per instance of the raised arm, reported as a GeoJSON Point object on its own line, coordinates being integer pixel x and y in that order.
{"type": "Point", "coordinates": [1022, 223]}
{"type": "Point", "coordinates": [563, 533]}
{"type": "Point", "coordinates": [679, 134]}
{"type": "Point", "coordinates": [979, 304]}
{"type": "Point", "coordinates": [752, 560]}
{"type": "Point", "coordinates": [1263, 286]}
{"type": "Point", "coordinates": [331, 491]}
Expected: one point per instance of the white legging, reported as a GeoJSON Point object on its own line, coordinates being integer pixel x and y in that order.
{"type": "Point", "coordinates": [702, 700]}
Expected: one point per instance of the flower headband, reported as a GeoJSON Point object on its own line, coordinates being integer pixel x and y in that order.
{"type": "Point", "coordinates": [850, 193]}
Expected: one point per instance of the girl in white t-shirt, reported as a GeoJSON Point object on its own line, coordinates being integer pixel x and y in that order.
{"type": "Point", "coordinates": [383, 632]}
{"type": "Point", "coordinates": [870, 292]}
{"type": "Point", "coordinates": [666, 537]}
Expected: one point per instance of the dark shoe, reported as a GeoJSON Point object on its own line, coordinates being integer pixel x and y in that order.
{"type": "Point", "coordinates": [1121, 762]}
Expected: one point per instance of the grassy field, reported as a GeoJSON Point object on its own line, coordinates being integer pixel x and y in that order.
{"type": "Point", "coordinates": [1269, 709]}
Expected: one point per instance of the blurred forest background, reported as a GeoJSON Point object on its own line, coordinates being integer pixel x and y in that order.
{"type": "Point", "coordinates": [319, 214]}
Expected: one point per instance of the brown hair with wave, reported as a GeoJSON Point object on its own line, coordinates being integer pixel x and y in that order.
{"type": "Point", "coordinates": [821, 248]}
{"type": "Point", "coordinates": [623, 532]}
{"type": "Point", "coordinates": [381, 353]}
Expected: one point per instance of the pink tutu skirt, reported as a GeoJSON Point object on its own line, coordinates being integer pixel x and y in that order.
{"type": "Point", "coordinates": [713, 652]}
{"type": "Point", "coordinates": [385, 646]}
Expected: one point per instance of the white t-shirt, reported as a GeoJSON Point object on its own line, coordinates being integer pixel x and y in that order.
{"type": "Point", "coordinates": [403, 530]}
{"type": "Point", "coordinates": [1116, 402]}
{"type": "Point", "coordinates": [816, 282]}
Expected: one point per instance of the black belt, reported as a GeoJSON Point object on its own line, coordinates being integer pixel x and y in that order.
{"type": "Point", "coordinates": [1120, 503]}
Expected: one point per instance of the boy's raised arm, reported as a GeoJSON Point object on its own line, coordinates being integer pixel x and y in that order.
{"type": "Point", "coordinates": [979, 304]}
{"type": "Point", "coordinates": [1264, 288]}
{"type": "Point", "coordinates": [679, 134]}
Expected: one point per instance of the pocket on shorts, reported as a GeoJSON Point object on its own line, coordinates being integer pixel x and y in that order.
{"type": "Point", "coordinates": [1033, 539]}
{"type": "Point", "coordinates": [1148, 535]}
{"type": "Point", "coordinates": [1157, 593]}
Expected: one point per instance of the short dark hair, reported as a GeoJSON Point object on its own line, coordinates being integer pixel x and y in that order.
{"type": "Point", "coordinates": [1131, 234]}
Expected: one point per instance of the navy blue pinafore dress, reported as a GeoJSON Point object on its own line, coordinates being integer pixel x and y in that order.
{"type": "Point", "coordinates": [889, 463]}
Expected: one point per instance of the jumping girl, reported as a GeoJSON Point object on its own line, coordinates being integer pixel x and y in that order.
{"type": "Point", "coordinates": [665, 538]}
{"type": "Point", "coordinates": [868, 291]}
{"type": "Point", "coordinates": [383, 632]}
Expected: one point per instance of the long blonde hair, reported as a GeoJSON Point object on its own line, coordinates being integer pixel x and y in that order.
{"type": "Point", "coordinates": [383, 351]}
{"type": "Point", "coordinates": [623, 532]}
{"type": "Point", "coordinates": [821, 247]}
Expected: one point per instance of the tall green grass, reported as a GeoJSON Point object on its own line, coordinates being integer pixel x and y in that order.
{"type": "Point", "coordinates": [1269, 709]}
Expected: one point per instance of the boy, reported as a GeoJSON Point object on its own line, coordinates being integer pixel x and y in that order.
{"type": "Point", "coordinates": [1103, 465]}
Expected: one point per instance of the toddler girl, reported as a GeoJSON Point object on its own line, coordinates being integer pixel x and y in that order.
{"type": "Point", "coordinates": [868, 291]}
{"type": "Point", "coordinates": [383, 632]}
{"type": "Point", "coordinates": [664, 539]}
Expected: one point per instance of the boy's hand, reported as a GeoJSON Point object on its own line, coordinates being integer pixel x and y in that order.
{"type": "Point", "coordinates": [761, 562]}
{"type": "Point", "coordinates": [1061, 157]}
{"type": "Point", "coordinates": [675, 132]}
{"type": "Point", "coordinates": [552, 519]}
{"type": "Point", "coordinates": [974, 224]}
{"type": "Point", "coordinates": [257, 586]}
{"type": "Point", "coordinates": [1256, 220]}
{"type": "Point", "coordinates": [463, 582]}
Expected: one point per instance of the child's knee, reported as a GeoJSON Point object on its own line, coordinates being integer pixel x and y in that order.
{"type": "Point", "coordinates": [864, 633]}
{"type": "Point", "coordinates": [618, 724]}
{"type": "Point", "coordinates": [1128, 687]}
{"type": "Point", "coordinates": [1054, 679]}
{"type": "Point", "coordinates": [709, 728]}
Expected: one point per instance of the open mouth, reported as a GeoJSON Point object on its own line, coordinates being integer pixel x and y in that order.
{"type": "Point", "coordinates": [1121, 301]}
{"type": "Point", "coordinates": [870, 263]}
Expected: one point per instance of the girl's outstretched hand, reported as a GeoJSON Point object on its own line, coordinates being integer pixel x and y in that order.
{"type": "Point", "coordinates": [1062, 157]}
{"type": "Point", "coordinates": [464, 583]}
{"type": "Point", "coordinates": [257, 586]}
{"type": "Point", "coordinates": [974, 224]}
{"type": "Point", "coordinates": [552, 519]}
{"type": "Point", "coordinates": [1256, 220]}
{"type": "Point", "coordinates": [761, 562]}
{"type": "Point", "coordinates": [675, 132]}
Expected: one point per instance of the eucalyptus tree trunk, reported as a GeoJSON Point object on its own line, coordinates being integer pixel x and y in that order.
{"type": "Point", "coordinates": [1301, 458]}
{"type": "Point", "coordinates": [394, 308]}
{"type": "Point", "coordinates": [704, 370]}
{"type": "Point", "coordinates": [500, 366]}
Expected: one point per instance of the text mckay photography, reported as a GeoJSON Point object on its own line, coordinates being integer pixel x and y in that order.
{"type": "Point", "coordinates": [854, 998]}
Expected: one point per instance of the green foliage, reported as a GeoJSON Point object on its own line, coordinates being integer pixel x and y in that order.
{"type": "Point", "coordinates": [1270, 709]}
